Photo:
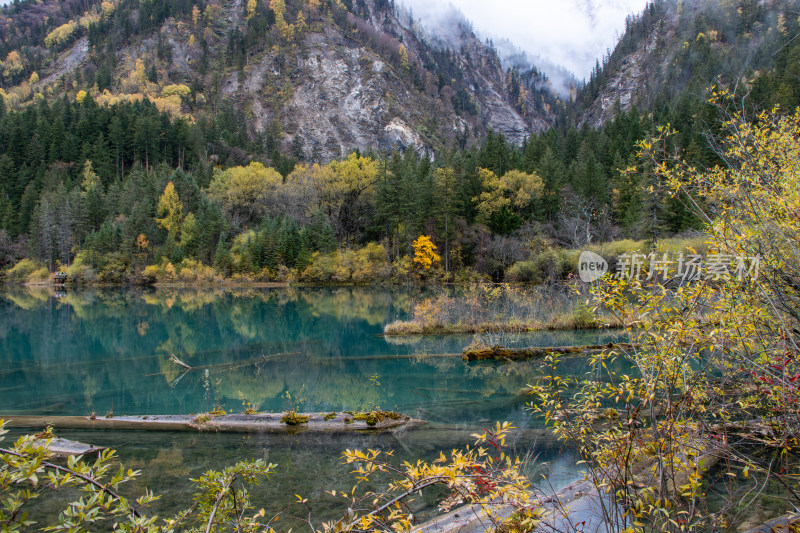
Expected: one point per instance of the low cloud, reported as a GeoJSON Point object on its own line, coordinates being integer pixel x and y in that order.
{"type": "Point", "coordinates": [573, 34]}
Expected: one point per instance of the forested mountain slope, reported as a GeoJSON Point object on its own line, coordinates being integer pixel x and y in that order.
{"type": "Point", "coordinates": [314, 79]}
{"type": "Point", "coordinates": [676, 49]}
{"type": "Point", "coordinates": [318, 140]}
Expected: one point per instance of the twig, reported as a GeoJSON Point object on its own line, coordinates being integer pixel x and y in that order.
{"type": "Point", "coordinates": [71, 472]}
{"type": "Point", "coordinates": [217, 502]}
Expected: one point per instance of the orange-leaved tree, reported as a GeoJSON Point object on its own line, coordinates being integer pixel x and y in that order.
{"type": "Point", "coordinates": [425, 255]}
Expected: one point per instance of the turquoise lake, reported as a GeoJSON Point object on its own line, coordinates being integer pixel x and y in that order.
{"type": "Point", "coordinates": [105, 351]}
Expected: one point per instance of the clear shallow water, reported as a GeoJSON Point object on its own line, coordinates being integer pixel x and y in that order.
{"type": "Point", "coordinates": [109, 350]}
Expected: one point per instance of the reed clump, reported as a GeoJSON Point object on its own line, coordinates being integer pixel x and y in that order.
{"type": "Point", "coordinates": [489, 308]}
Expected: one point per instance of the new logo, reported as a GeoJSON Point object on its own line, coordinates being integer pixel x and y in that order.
{"type": "Point", "coordinates": [591, 267]}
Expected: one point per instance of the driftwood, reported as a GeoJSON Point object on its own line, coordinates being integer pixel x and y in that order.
{"type": "Point", "coordinates": [178, 362]}
{"type": "Point", "coordinates": [518, 354]}
{"type": "Point", "coordinates": [234, 423]}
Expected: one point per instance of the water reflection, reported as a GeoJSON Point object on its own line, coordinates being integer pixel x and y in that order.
{"type": "Point", "coordinates": [109, 350]}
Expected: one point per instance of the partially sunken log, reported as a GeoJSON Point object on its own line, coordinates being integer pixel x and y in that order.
{"type": "Point", "coordinates": [59, 447]}
{"type": "Point", "coordinates": [518, 354]}
{"type": "Point", "coordinates": [581, 499]}
{"type": "Point", "coordinates": [785, 523]}
{"type": "Point", "coordinates": [235, 423]}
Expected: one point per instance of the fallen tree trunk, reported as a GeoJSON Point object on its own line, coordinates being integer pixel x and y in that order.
{"type": "Point", "coordinates": [785, 523]}
{"type": "Point", "coordinates": [519, 354]}
{"type": "Point", "coordinates": [583, 505]}
{"type": "Point", "coordinates": [234, 423]}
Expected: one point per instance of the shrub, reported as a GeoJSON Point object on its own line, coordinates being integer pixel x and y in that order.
{"type": "Point", "coordinates": [21, 272]}
{"type": "Point", "coordinates": [115, 269]}
{"type": "Point", "coordinates": [80, 271]}
{"type": "Point", "coordinates": [368, 264]}
{"type": "Point", "coordinates": [40, 275]}
{"type": "Point", "coordinates": [193, 270]}
{"type": "Point", "coordinates": [469, 275]}
{"type": "Point", "coordinates": [549, 265]}
{"type": "Point", "coordinates": [523, 271]}
{"type": "Point", "coordinates": [402, 267]}
{"type": "Point", "coordinates": [150, 274]}
{"type": "Point", "coordinates": [583, 316]}
{"type": "Point", "coordinates": [188, 270]}
{"type": "Point", "coordinates": [285, 274]}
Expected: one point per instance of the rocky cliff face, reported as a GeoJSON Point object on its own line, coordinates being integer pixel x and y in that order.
{"type": "Point", "coordinates": [345, 95]}
{"type": "Point", "coordinates": [625, 86]}
{"type": "Point", "coordinates": [363, 77]}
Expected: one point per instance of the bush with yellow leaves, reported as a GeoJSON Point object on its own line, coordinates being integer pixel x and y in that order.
{"type": "Point", "coordinates": [713, 380]}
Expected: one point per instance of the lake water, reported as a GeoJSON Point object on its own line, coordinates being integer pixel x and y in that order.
{"type": "Point", "coordinates": [109, 351]}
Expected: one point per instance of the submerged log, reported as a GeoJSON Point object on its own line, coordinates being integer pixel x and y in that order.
{"type": "Point", "coordinates": [59, 447]}
{"type": "Point", "coordinates": [235, 423]}
{"type": "Point", "coordinates": [519, 354]}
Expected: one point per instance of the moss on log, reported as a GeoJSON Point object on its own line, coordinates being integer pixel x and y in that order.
{"type": "Point", "coordinates": [519, 354]}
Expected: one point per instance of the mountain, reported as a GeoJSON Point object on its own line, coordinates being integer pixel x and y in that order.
{"type": "Point", "coordinates": [676, 50]}
{"type": "Point", "coordinates": [314, 78]}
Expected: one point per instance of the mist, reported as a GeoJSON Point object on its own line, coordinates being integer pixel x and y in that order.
{"type": "Point", "coordinates": [562, 37]}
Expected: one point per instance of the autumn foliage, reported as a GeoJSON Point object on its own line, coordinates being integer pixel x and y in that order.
{"type": "Point", "coordinates": [425, 255]}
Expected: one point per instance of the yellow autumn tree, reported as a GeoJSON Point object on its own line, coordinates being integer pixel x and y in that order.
{"type": "Point", "coordinates": [515, 189]}
{"type": "Point", "coordinates": [61, 34]}
{"type": "Point", "coordinates": [91, 181]}
{"type": "Point", "coordinates": [251, 8]}
{"type": "Point", "coordinates": [300, 23]}
{"type": "Point", "coordinates": [352, 186]}
{"type": "Point", "coordinates": [138, 73]}
{"type": "Point", "coordinates": [425, 255]}
{"type": "Point", "coordinates": [107, 9]}
{"type": "Point", "coordinates": [245, 193]}
{"type": "Point", "coordinates": [353, 176]}
{"type": "Point", "coordinates": [403, 56]}
{"type": "Point", "coordinates": [302, 192]}
{"type": "Point", "coordinates": [170, 211]}
{"type": "Point", "coordinates": [12, 64]}
{"type": "Point", "coordinates": [179, 90]}
{"type": "Point", "coordinates": [279, 8]}
{"type": "Point", "coordinates": [142, 243]}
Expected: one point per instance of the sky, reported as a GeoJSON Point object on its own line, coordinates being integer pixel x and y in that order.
{"type": "Point", "coordinates": [569, 33]}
